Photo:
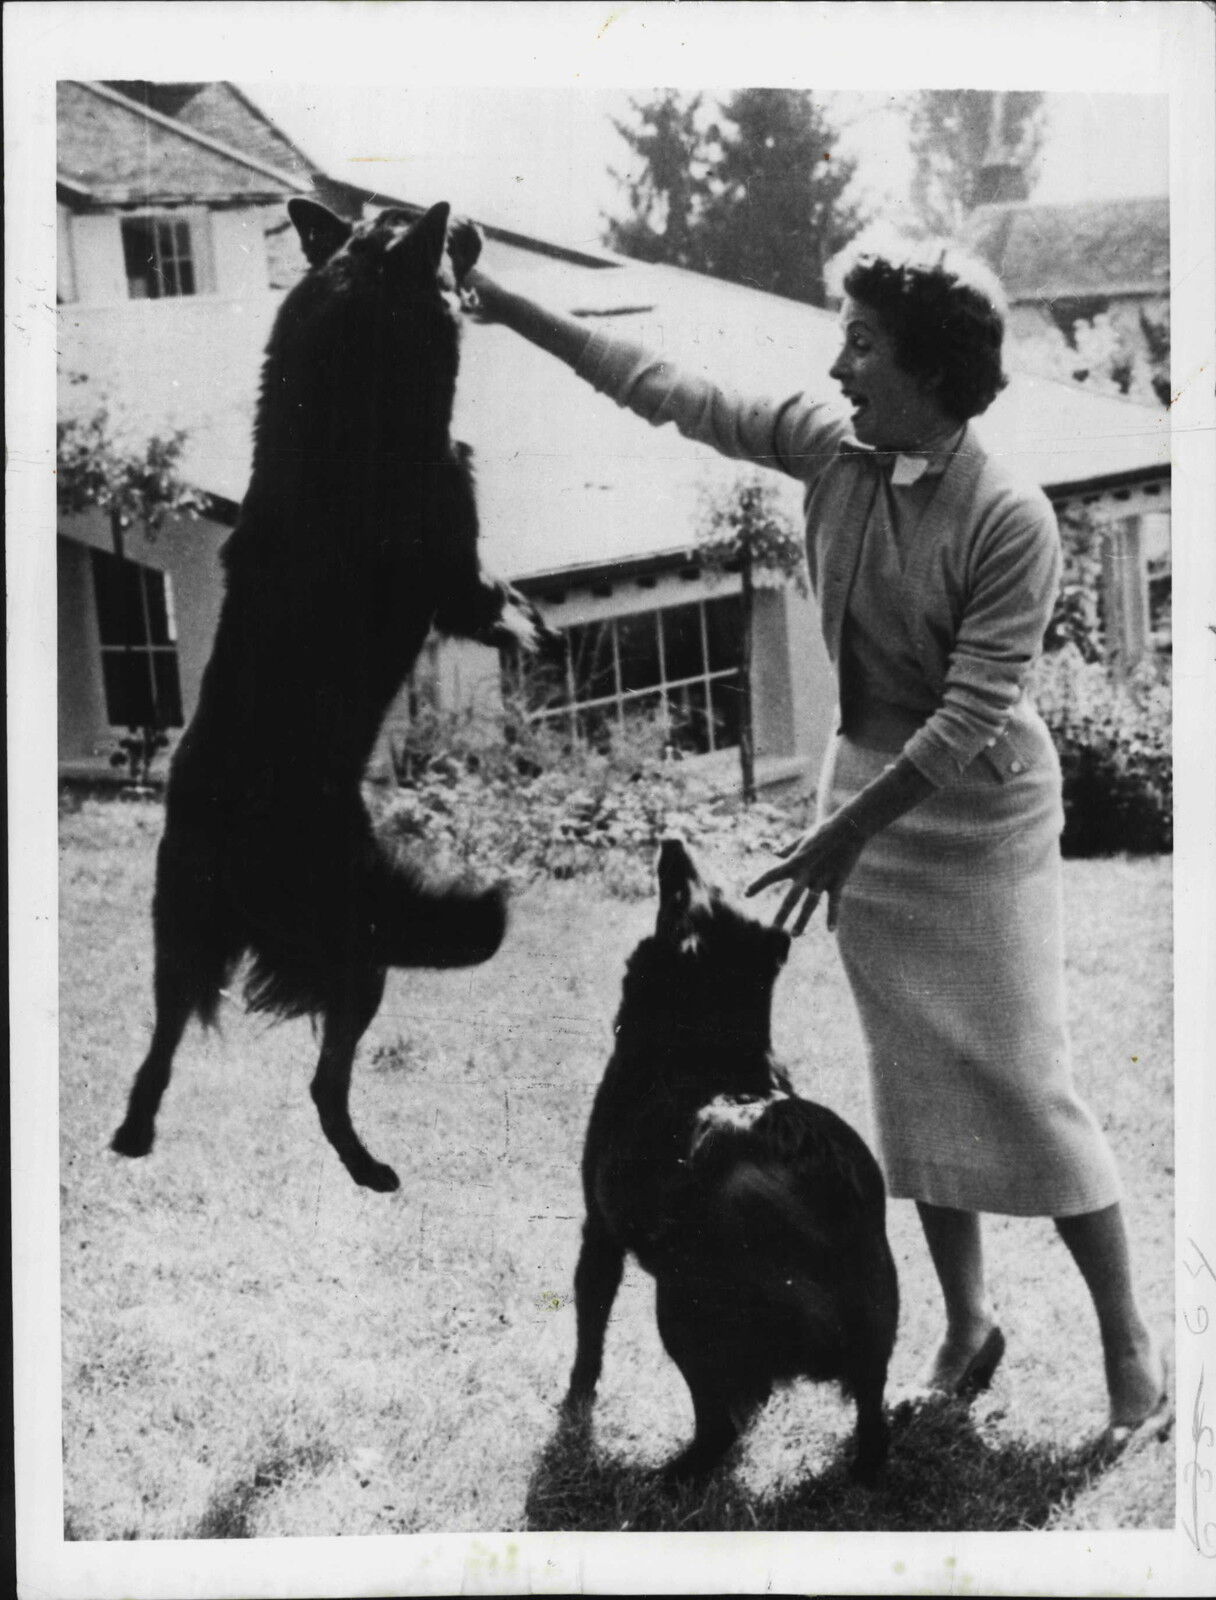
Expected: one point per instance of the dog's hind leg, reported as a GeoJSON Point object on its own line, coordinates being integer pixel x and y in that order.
{"type": "Point", "coordinates": [346, 1017]}
{"type": "Point", "coordinates": [597, 1277]}
{"type": "Point", "coordinates": [870, 1454]}
{"type": "Point", "coordinates": [725, 1394]}
{"type": "Point", "coordinates": [192, 957]}
{"type": "Point", "coordinates": [176, 995]}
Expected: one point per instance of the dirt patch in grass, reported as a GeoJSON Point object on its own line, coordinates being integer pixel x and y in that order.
{"type": "Point", "coordinates": [252, 1346]}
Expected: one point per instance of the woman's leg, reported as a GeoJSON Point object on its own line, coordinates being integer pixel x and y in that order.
{"type": "Point", "coordinates": [956, 1248]}
{"type": "Point", "coordinates": [1135, 1372]}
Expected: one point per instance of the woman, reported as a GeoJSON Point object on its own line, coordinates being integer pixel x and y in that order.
{"type": "Point", "coordinates": [937, 843]}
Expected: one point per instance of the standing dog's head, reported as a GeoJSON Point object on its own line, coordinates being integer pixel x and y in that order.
{"type": "Point", "coordinates": [708, 967]}
{"type": "Point", "coordinates": [401, 249]}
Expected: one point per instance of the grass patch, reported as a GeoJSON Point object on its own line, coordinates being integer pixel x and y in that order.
{"type": "Point", "coordinates": [252, 1346]}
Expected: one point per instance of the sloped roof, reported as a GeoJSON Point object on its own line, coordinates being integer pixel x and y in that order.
{"type": "Point", "coordinates": [118, 152]}
{"type": "Point", "coordinates": [220, 111]}
{"type": "Point", "coordinates": [1091, 247]}
{"type": "Point", "coordinates": [566, 479]}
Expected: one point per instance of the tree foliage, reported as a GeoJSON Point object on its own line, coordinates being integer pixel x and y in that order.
{"type": "Point", "coordinates": [667, 192]}
{"type": "Point", "coordinates": [951, 134]}
{"type": "Point", "coordinates": [757, 195]}
{"type": "Point", "coordinates": [135, 484]}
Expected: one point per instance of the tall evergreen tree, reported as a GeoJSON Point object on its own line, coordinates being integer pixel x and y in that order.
{"type": "Point", "coordinates": [777, 212]}
{"type": "Point", "coordinates": [962, 139]}
{"type": "Point", "coordinates": [667, 194]}
{"type": "Point", "coordinates": [757, 197]}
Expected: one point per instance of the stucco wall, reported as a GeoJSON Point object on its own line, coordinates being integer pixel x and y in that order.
{"type": "Point", "coordinates": [188, 550]}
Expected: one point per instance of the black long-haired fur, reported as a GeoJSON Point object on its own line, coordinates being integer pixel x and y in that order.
{"type": "Point", "coordinates": [760, 1215]}
{"type": "Point", "coordinates": [357, 535]}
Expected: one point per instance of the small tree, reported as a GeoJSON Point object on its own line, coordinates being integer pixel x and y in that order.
{"type": "Point", "coordinates": [749, 532]}
{"type": "Point", "coordinates": [134, 485]}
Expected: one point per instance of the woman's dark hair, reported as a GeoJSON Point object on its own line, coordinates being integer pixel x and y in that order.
{"type": "Point", "coordinates": [945, 313]}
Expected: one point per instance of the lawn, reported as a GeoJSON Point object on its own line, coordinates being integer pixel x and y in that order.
{"type": "Point", "coordinates": [253, 1346]}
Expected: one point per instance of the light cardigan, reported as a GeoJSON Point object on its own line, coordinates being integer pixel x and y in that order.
{"type": "Point", "coordinates": [981, 551]}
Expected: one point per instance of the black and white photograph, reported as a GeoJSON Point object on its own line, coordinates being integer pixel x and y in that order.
{"type": "Point", "coordinates": [612, 634]}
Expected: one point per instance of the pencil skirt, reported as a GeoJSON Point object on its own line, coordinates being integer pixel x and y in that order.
{"type": "Point", "coordinates": [950, 931]}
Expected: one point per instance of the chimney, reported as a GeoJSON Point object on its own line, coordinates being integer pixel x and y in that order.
{"type": "Point", "coordinates": [1002, 175]}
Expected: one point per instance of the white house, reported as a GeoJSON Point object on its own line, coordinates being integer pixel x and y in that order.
{"type": "Point", "coordinates": [588, 509]}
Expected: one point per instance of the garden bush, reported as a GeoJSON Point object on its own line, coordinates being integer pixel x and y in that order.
{"type": "Point", "coordinates": [505, 796]}
{"type": "Point", "coordinates": [1113, 739]}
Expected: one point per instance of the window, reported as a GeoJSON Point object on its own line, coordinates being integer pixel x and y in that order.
{"type": "Point", "coordinates": [680, 665]}
{"type": "Point", "coordinates": [159, 256]}
{"type": "Point", "coordinates": [138, 643]}
{"type": "Point", "coordinates": [1158, 573]}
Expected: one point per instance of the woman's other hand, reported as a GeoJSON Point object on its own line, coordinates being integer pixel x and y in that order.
{"type": "Point", "coordinates": [816, 864]}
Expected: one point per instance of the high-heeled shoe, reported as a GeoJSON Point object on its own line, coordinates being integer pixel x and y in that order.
{"type": "Point", "coordinates": [1119, 1438]}
{"type": "Point", "coordinates": [976, 1372]}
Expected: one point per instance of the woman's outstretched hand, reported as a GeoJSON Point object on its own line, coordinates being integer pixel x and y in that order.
{"type": "Point", "coordinates": [479, 296]}
{"type": "Point", "coordinates": [816, 864]}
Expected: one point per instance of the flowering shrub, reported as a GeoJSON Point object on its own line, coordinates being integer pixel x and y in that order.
{"type": "Point", "coordinates": [1113, 740]}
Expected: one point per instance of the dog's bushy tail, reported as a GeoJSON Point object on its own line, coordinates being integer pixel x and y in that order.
{"type": "Point", "coordinates": [423, 919]}
{"type": "Point", "coordinates": [371, 906]}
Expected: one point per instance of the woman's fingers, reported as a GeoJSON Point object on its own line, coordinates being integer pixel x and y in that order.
{"type": "Point", "coordinates": [833, 908]}
{"type": "Point", "coordinates": [787, 905]}
{"type": "Point", "coordinates": [773, 875]}
{"type": "Point", "coordinates": [807, 912]}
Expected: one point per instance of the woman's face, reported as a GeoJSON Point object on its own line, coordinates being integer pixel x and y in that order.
{"type": "Point", "coordinates": [892, 409]}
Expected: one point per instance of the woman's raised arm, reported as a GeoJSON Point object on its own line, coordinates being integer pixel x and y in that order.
{"type": "Point", "coordinates": [486, 300]}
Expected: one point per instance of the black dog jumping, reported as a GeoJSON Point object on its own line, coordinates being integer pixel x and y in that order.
{"type": "Point", "coordinates": [759, 1214]}
{"type": "Point", "coordinates": [357, 536]}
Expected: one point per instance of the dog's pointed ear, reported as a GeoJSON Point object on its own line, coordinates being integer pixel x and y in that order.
{"type": "Point", "coordinates": [322, 234]}
{"type": "Point", "coordinates": [424, 244]}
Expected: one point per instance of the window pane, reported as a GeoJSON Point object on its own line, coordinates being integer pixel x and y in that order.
{"type": "Point", "coordinates": [158, 256]}
{"type": "Point", "coordinates": [119, 607]}
{"type": "Point", "coordinates": [157, 604]}
{"type": "Point", "coordinates": [128, 688]}
{"type": "Point", "coordinates": [137, 254]}
{"type": "Point", "coordinates": [682, 644]}
{"type": "Point", "coordinates": [724, 626]}
{"type": "Point", "coordinates": [540, 684]}
{"type": "Point", "coordinates": [168, 689]}
{"type": "Point", "coordinates": [726, 700]}
{"type": "Point", "coordinates": [591, 660]}
{"type": "Point", "coordinates": [638, 642]}
{"type": "Point", "coordinates": [686, 711]}
{"type": "Point", "coordinates": [643, 710]}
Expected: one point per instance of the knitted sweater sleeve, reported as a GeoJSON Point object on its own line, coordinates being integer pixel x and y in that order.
{"type": "Point", "coordinates": [792, 435]}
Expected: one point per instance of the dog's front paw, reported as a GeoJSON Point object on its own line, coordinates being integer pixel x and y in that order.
{"type": "Point", "coordinates": [521, 626]}
{"type": "Point", "coordinates": [464, 247]}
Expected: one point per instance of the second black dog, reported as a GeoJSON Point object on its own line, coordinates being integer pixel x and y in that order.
{"type": "Point", "coordinates": [760, 1215]}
